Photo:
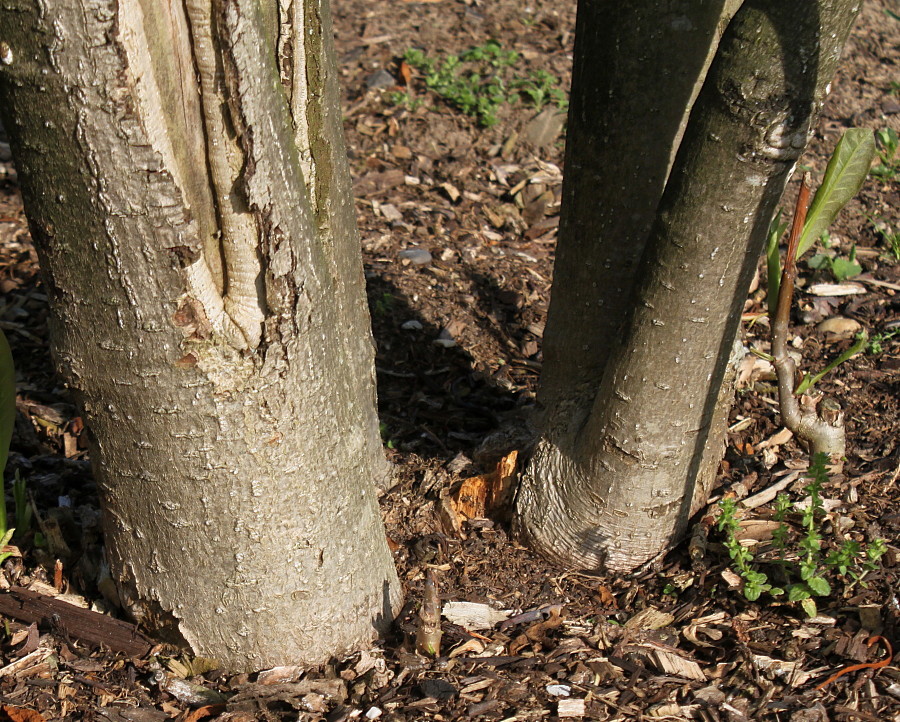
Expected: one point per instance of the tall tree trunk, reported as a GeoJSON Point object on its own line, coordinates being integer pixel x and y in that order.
{"type": "Point", "coordinates": [615, 486]}
{"type": "Point", "coordinates": [183, 170]}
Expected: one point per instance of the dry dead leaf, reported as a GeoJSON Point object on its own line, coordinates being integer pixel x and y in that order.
{"type": "Point", "coordinates": [203, 712]}
{"type": "Point", "coordinates": [20, 714]}
{"type": "Point", "coordinates": [789, 672]}
{"type": "Point", "coordinates": [470, 646]}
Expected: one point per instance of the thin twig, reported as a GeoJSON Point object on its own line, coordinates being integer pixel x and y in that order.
{"type": "Point", "coordinates": [867, 665]}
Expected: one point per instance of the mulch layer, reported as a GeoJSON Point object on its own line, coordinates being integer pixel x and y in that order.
{"type": "Point", "coordinates": [458, 224]}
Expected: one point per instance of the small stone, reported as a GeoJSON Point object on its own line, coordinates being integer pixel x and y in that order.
{"type": "Point", "coordinates": [890, 106]}
{"type": "Point", "coordinates": [559, 690]}
{"type": "Point", "coordinates": [411, 325]}
{"type": "Point", "coordinates": [416, 256]}
{"type": "Point", "coordinates": [838, 328]}
{"type": "Point", "coordinates": [380, 79]}
{"type": "Point", "coordinates": [438, 689]}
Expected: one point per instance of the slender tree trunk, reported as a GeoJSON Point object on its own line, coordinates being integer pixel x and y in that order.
{"type": "Point", "coordinates": [637, 69]}
{"type": "Point", "coordinates": [186, 184]}
{"type": "Point", "coordinates": [616, 486]}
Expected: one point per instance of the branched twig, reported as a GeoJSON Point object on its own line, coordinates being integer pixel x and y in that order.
{"type": "Point", "coordinates": [818, 423]}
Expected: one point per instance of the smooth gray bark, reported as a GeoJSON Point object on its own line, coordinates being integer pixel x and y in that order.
{"type": "Point", "coordinates": [614, 485]}
{"type": "Point", "coordinates": [637, 68]}
{"type": "Point", "coordinates": [184, 175]}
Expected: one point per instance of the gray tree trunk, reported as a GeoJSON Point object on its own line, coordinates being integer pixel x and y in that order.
{"type": "Point", "coordinates": [183, 170]}
{"type": "Point", "coordinates": [629, 452]}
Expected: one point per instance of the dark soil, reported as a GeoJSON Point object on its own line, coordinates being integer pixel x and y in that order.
{"type": "Point", "coordinates": [459, 353]}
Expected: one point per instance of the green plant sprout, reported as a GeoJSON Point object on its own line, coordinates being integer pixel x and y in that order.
{"type": "Point", "coordinates": [877, 341]}
{"type": "Point", "coordinates": [803, 566]}
{"type": "Point", "coordinates": [841, 268]}
{"type": "Point", "coordinates": [23, 505]}
{"type": "Point", "coordinates": [844, 176]}
{"type": "Point", "coordinates": [755, 581]}
{"type": "Point", "coordinates": [887, 234]}
{"type": "Point", "coordinates": [889, 162]}
{"type": "Point", "coordinates": [480, 80]}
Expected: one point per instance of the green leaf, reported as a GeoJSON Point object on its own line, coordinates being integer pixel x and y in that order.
{"type": "Point", "coordinates": [773, 261]}
{"type": "Point", "coordinates": [809, 606]}
{"type": "Point", "coordinates": [798, 592]}
{"type": "Point", "coordinates": [819, 586]}
{"type": "Point", "coordinates": [810, 380]}
{"type": "Point", "coordinates": [843, 268]}
{"type": "Point", "coordinates": [752, 592]}
{"type": "Point", "coordinates": [844, 176]}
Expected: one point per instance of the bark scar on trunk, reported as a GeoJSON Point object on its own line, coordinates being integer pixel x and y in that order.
{"type": "Point", "coordinates": [237, 313]}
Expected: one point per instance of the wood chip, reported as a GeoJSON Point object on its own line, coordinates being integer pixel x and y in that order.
{"type": "Point", "coordinates": [472, 615]}
{"type": "Point", "coordinates": [570, 708]}
{"type": "Point", "coordinates": [650, 618]}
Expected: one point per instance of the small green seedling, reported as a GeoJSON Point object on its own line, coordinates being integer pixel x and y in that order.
{"type": "Point", "coordinates": [482, 79]}
{"type": "Point", "coordinates": [841, 268]}
{"type": "Point", "coordinates": [807, 572]}
{"type": "Point", "coordinates": [755, 581]}
{"type": "Point", "coordinates": [844, 176]}
{"type": "Point", "coordinates": [889, 161]}
{"type": "Point", "coordinates": [877, 341]}
{"type": "Point", "coordinates": [890, 236]}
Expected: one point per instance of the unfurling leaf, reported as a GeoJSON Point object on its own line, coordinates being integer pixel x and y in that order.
{"type": "Point", "coordinates": [844, 176]}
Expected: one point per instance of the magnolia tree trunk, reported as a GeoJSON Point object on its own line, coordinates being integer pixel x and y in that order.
{"type": "Point", "coordinates": [184, 174]}
{"type": "Point", "coordinates": [636, 353]}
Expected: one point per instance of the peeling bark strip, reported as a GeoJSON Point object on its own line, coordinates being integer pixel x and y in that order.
{"type": "Point", "coordinates": [617, 486]}
{"type": "Point", "coordinates": [236, 482]}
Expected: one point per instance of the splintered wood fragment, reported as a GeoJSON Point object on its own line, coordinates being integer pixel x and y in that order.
{"type": "Point", "coordinates": [81, 624]}
{"type": "Point", "coordinates": [488, 494]}
{"type": "Point", "coordinates": [649, 618]}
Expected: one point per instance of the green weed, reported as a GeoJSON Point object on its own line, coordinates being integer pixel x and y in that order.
{"type": "Point", "coordinates": [877, 341]}
{"type": "Point", "coordinates": [383, 305]}
{"type": "Point", "coordinates": [839, 267]}
{"type": "Point", "coordinates": [887, 144]}
{"type": "Point", "coordinates": [806, 572]}
{"type": "Point", "coordinates": [890, 236]}
{"type": "Point", "coordinates": [385, 436]}
{"type": "Point", "coordinates": [482, 79]}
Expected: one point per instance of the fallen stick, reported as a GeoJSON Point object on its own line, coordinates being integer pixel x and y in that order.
{"type": "Point", "coordinates": [82, 624]}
